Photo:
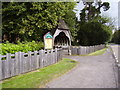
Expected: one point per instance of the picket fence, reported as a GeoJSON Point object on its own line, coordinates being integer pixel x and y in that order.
{"type": "Point", "coordinates": [82, 50]}
{"type": "Point", "coordinates": [20, 62]}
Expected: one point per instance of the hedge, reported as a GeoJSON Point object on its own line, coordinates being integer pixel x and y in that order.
{"type": "Point", "coordinates": [23, 47]}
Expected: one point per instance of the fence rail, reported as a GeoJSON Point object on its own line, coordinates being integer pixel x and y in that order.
{"type": "Point", "coordinates": [82, 50]}
{"type": "Point", "coordinates": [20, 62]}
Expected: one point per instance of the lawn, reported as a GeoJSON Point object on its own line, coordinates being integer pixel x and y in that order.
{"type": "Point", "coordinates": [40, 77]}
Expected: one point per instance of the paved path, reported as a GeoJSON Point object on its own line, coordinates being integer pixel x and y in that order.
{"type": "Point", "coordinates": [91, 72]}
{"type": "Point", "coordinates": [116, 49]}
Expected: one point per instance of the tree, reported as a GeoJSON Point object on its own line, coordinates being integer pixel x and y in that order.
{"type": "Point", "coordinates": [93, 28]}
{"type": "Point", "coordinates": [31, 20]}
{"type": "Point", "coordinates": [116, 37]}
{"type": "Point", "coordinates": [92, 10]}
{"type": "Point", "coordinates": [94, 33]}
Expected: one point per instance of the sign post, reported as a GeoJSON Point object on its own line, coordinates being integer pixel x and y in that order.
{"type": "Point", "coordinates": [48, 41]}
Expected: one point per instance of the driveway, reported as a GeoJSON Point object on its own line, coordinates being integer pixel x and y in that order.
{"type": "Point", "coordinates": [91, 72]}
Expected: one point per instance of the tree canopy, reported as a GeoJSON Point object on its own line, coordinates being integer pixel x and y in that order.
{"type": "Point", "coordinates": [116, 37]}
{"type": "Point", "coordinates": [31, 20]}
{"type": "Point", "coordinates": [92, 10]}
{"type": "Point", "coordinates": [93, 28]}
{"type": "Point", "coordinates": [94, 33]}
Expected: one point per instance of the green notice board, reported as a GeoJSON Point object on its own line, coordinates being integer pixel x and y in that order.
{"type": "Point", "coordinates": [48, 35]}
{"type": "Point", "coordinates": [48, 41]}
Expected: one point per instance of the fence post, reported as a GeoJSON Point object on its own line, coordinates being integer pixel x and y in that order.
{"type": "Point", "coordinates": [8, 58]}
{"type": "Point", "coordinates": [61, 53]}
{"type": "Point", "coordinates": [52, 55]}
{"type": "Point", "coordinates": [0, 69]}
{"type": "Point", "coordinates": [73, 50]}
{"type": "Point", "coordinates": [41, 53]}
{"type": "Point", "coordinates": [92, 48]}
{"type": "Point", "coordinates": [56, 55]}
{"type": "Point", "coordinates": [35, 60]}
{"type": "Point", "coordinates": [48, 58]}
{"type": "Point", "coordinates": [16, 64]}
{"type": "Point", "coordinates": [30, 61]}
{"type": "Point", "coordinates": [21, 61]}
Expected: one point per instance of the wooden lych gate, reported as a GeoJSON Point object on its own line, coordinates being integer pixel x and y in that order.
{"type": "Point", "coordinates": [62, 37]}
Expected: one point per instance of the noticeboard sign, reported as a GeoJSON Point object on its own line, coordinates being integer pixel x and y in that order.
{"type": "Point", "coordinates": [48, 41]}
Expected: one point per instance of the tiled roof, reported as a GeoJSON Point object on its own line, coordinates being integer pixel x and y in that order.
{"type": "Point", "coordinates": [62, 25]}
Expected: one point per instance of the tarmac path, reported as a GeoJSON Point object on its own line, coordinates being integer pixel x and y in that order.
{"type": "Point", "coordinates": [91, 72]}
{"type": "Point", "coordinates": [116, 49]}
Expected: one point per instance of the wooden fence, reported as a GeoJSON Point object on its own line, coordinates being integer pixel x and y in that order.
{"type": "Point", "coordinates": [82, 50]}
{"type": "Point", "coordinates": [20, 62]}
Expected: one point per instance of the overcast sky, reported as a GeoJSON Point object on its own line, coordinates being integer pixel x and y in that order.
{"type": "Point", "coordinates": [112, 12]}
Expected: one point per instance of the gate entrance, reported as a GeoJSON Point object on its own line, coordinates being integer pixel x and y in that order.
{"type": "Point", "coordinates": [61, 40]}
{"type": "Point", "coordinates": [62, 36]}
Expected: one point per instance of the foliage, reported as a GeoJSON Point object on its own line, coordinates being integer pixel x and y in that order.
{"type": "Point", "coordinates": [116, 37]}
{"type": "Point", "coordinates": [40, 77]}
{"type": "Point", "coordinates": [23, 47]}
{"type": "Point", "coordinates": [93, 28]}
{"type": "Point", "coordinates": [71, 20]}
{"type": "Point", "coordinates": [31, 20]}
{"type": "Point", "coordinates": [91, 11]}
{"type": "Point", "coordinates": [94, 33]}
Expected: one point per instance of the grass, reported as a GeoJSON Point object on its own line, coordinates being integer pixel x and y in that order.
{"type": "Point", "coordinates": [99, 52]}
{"type": "Point", "coordinates": [40, 77]}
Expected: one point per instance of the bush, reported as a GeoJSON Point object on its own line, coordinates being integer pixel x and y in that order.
{"type": "Point", "coordinates": [23, 47]}
{"type": "Point", "coordinates": [94, 33]}
{"type": "Point", "coordinates": [116, 37]}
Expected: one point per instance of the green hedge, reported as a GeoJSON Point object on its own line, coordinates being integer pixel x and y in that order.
{"type": "Point", "coordinates": [23, 47]}
{"type": "Point", "coordinates": [116, 37]}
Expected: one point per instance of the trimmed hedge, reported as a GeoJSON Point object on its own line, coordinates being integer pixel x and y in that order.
{"type": "Point", "coordinates": [23, 47]}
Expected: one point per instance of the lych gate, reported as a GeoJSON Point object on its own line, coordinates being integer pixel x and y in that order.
{"type": "Point", "coordinates": [62, 36]}
{"type": "Point", "coordinates": [61, 40]}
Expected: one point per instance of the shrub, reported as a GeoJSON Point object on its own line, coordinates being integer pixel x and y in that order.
{"type": "Point", "coordinates": [94, 33]}
{"type": "Point", "coordinates": [116, 37]}
{"type": "Point", "coordinates": [23, 47]}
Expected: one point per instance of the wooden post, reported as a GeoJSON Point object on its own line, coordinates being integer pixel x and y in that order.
{"type": "Point", "coordinates": [79, 50]}
{"type": "Point", "coordinates": [69, 50]}
{"type": "Point", "coordinates": [30, 61]}
{"type": "Point", "coordinates": [12, 67]}
{"type": "Point", "coordinates": [16, 63]}
{"type": "Point", "coordinates": [1, 69]}
{"type": "Point", "coordinates": [48, 57]}
{"type": "Point", "coordinates": [38, 56]}
{"type": "Point", "coordinates": [61, 53]}
{"type": "Point", "coordinates": [35, 60]}
{"type": "Point", "coordinates": [41, 58]}
{"type": "Point", "coordinates": [56, 55]}
{"type": "Point", "coordinates": [8, 58]}
{"type": "Point", "coordinates": [52, 56]}
{"type": "Point", "coordinates": [21, 61]}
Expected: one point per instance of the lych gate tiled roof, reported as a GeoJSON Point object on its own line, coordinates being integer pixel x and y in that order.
{"type": "Point", "coordinates": [62, 25]}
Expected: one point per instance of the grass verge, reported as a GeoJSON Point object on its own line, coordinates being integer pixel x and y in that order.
{"type": "Point", "coordinates": [99, 52]}
{"type": "Point", "coordinates": [40, 77]}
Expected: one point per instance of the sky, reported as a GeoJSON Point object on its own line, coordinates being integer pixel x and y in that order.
{"type": "Point", "coordinates": [112, 12]}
